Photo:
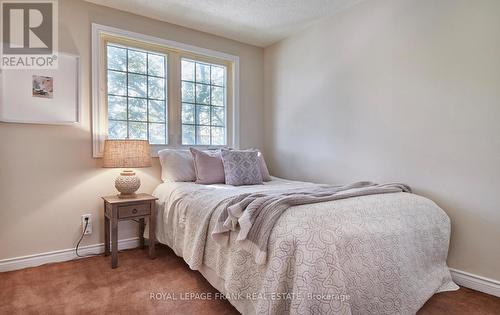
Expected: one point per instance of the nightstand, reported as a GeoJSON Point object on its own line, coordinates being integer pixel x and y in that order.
{"type": "Point", "coordinates": [117, 209]}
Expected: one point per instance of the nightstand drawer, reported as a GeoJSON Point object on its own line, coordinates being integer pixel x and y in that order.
{"type": "Point", "coordinates": [133, 211]}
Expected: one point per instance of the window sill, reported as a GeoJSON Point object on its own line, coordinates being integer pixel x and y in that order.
{"type": "Point", "coordinates": [157, 148]}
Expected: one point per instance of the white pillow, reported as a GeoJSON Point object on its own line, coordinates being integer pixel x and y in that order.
{"type": "Point", "coordinates": [263, 167]}
{"type": "Point", "coordinates": [176, 165]}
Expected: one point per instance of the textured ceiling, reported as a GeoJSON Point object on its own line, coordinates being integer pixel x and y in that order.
{"type": "Point", "coordinates": [256, 22]}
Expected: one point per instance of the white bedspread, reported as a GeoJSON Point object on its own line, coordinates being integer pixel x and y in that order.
{"type": "Point", "coordinates": [377, 254]}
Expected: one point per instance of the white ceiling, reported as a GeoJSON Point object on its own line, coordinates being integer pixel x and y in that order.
{"type": "Point", "coordinates": [256, 22]}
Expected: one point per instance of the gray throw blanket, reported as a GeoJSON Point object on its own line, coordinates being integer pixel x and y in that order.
{"type": "Point", "coordinates": [256, 213]}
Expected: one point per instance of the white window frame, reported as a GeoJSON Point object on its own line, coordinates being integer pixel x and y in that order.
{"type": "Point", "coordinates": [99, 110]}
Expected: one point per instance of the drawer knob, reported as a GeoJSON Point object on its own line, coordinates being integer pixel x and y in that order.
{"type": "Point", "coordinates": [134, 211]}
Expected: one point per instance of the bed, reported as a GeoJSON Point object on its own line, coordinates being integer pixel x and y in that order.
{"type": "Point", "coordinates": [377, 254]}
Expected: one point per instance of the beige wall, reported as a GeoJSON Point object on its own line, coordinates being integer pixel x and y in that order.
{"type": "Point", "coordinates": [398, 90]}
{"type": "Point", "coordinates": [48, 178]}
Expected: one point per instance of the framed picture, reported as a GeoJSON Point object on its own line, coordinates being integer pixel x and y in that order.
{"type": "Point", "coordinates": [47, 96]}
{"type": "Point", "coordinates": [43, 86]}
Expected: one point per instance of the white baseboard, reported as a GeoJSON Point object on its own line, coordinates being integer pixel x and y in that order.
{"type": "Point", "coordinates": [61, 255]}
{"type": "Point", "coordinates": [475, 282]}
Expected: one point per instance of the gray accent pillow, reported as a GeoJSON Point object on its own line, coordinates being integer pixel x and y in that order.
{"type": "Point", "coordinates": [241, 167]}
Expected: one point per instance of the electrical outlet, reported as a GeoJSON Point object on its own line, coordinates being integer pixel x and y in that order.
{"type": "Point", "coordinates": [87, 231]}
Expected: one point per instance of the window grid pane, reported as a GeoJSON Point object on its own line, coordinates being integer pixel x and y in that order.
{"type": "Point", "coordinates": [144, 113]}
{"type": "Point", "coordinates": [204, 103]}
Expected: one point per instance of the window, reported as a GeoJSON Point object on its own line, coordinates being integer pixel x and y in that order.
{"type": "Point", "coordinates": [203, 103]}
{"type": "Point", "coordinates": [137, 94]}
{"type": "Point", "coordinates": [170, 93]}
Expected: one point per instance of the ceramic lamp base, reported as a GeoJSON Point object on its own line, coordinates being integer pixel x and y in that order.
{"type": "Point", "coordinates": [127, 184]}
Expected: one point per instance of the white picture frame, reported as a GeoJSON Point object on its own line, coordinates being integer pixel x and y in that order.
{"type": "Point", "coordinates": [19, 104]}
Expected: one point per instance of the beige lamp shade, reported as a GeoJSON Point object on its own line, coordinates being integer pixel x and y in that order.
{"type": "Point", "coordinates": [126, 153]}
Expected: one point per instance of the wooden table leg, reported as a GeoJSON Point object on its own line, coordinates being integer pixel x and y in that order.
{"type": "Point", "coordinates": [114, 242]}
{"type": "Point", "coordinates": [141, 232]}
{"type": "Point", "coordinates": [106, 235]}
{"type": "Point", "coordinates": [152, 229]}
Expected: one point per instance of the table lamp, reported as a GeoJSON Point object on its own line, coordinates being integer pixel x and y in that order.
{"type": "Point", "coordinates": [127, 154]}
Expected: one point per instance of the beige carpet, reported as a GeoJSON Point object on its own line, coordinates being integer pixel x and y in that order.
{"type": "Point", "coordinates": [90, 286]}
